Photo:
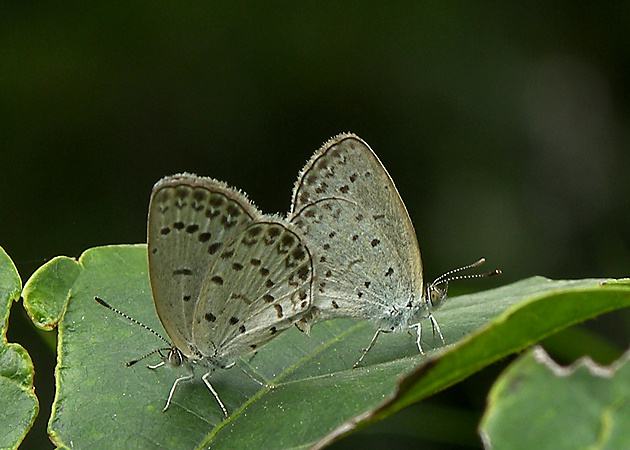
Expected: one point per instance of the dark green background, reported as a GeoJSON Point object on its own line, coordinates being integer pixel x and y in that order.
{"type": "Point", "coordinates": [504, 125]}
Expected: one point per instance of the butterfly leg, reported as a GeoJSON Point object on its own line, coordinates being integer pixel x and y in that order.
{"type": "Point", "coordinates": [369, 347]}
{"type": "Point", "coordinates": [149, 366]}
{"type": "Point", "coordinates": [436, 327]}
{"type": "Point", "coordinates": [418, 326]}
{"type": "Point", "coordinates": [216, 395]}
{"type": "Point", "coordinates": [187, 377]}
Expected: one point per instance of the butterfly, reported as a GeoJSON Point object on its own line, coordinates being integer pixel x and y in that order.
{"type": "Point", "coordinates": [225, 278]}
{"type": "Point", "coordinates": [365, 253]}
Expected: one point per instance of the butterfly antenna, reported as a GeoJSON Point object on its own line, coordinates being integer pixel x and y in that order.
{"type": "Point", "coordinates": [108, 306]}
{"type": "Point", "coordinates": [448, 276]}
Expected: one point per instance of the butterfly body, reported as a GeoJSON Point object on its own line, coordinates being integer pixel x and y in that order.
{"type": "Point", "coordinates": [365, 253]}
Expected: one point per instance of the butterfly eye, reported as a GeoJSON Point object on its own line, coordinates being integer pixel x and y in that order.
{"type": "Point", "coordinates": [174, 357]}
{"type": "Point", "coordinates": [436, 296]}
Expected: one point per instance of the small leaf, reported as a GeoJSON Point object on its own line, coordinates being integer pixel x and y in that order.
{"type": "Point", "coordinates": [17, 396]}
{"type": "Point", "coordinates": [581, 406]}
{"type": "Point", "coordinates": [48, 289]}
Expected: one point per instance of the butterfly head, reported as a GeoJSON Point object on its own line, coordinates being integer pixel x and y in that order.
{"type": "Point", "coordinates": [436, 292]}
{"type": "Point", "coordinates": [435, 295]}
{"type": "Point", "coordinates": [174, 357]}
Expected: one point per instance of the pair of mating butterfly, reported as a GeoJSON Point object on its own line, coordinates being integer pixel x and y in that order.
{"type": "Point", "coordinates": [227, 278]}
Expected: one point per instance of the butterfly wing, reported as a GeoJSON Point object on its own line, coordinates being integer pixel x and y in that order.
{"type": "Point", "coordinates": [259, 286]}
{"type": "Point", "coordinates": [190, 219]}
{"type": "Point", "coordinates": [364, 248]}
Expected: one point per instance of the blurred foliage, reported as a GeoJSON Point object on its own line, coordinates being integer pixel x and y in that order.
{"type": "Point", "coordinates": [504, 125]}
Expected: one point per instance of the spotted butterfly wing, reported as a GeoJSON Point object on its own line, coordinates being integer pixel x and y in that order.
{"type": "Point", "coordinates": [364, 247]}
{"type": "Point", "coordinates": [225, 278]}
{"type": "Point", "coordinates": [263, 290]}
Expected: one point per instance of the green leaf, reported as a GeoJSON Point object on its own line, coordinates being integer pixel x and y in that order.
{"type": "Point", "coordinates": [100, 403]}
{"type": "Point", "coordinates": [47, 287]}
{"type": "Point", "coordinates": [524, 313]}
{"type": "Point", "coordinates": [581, 406]}
{"type": "Point", "coordinates": [18, 400]}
